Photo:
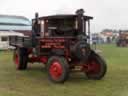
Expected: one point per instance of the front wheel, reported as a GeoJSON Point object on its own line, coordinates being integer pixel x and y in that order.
{"type": "Point", "coordinates": [58, 69]}
{"type": "Point", "coordinates": [95, 67]}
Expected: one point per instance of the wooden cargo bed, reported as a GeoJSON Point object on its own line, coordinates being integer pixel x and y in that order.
{"type": "Point", "coordinates": [20, 41]}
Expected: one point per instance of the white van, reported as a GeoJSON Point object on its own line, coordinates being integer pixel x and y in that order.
{"type": "Point", "coordinates": [4, 39]}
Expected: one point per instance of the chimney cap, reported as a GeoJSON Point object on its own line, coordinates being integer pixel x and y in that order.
{"type": "Point", "coordinates": [80, 11]}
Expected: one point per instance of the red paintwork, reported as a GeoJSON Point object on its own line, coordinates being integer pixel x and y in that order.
{"type": "Point", "coordinates": [16, 59]}
{"type": "Point", "coordinates": [42, 59]}
{"type": "Point", "coordinates": [52, 43]}
{"type": "Point", "coordinates": [56, 70]}
{"type": "Point", "coordinates": [92, 67]}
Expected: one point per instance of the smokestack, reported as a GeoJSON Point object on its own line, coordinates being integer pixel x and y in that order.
{"type": "Point", "coordinates": [80, 11]}
{"type": "Point", "coordinates": [35, 29]}
{"type": "Point", "coordinates": [80, 16]}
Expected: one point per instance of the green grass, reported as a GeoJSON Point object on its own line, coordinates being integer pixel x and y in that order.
{"type": "Point", "coordinates": [34, 82]}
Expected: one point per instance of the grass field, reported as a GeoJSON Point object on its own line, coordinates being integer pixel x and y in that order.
{"type": "Point", "coordinates": [34, 82]}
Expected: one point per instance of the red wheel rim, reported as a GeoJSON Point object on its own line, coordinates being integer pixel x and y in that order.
{"type": "Point", "coordinates": [93, 67]}
{"type": "Point", "coordinates": [56, 70]}
{"type": "Point", "coordinates": [16, 59]}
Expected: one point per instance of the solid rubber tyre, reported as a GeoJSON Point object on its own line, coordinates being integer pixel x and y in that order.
{"type": "Point", "coordinates": [98, 67]}
{"type": "Point", "coordinates": [58, 69]}
{"type": "Point", "coordinates": [20, 58]}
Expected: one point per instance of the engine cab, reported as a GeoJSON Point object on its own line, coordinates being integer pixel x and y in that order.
{"type": "Point", "coordinates": [68, 25]}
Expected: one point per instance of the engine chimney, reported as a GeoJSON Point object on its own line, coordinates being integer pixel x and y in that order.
{"type": "Point", "coordinates": [80, 19]}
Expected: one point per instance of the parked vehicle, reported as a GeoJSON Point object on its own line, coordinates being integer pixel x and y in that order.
{"type": "Point", "coordinates": [59, 42]}
{"type": "Point", "coordinates": [4, 39]}
{"type": "Point", "coordinates": [122, 40]}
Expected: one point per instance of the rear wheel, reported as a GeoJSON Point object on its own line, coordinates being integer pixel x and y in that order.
{"type": "Point", "coordinates": [58, 69]}
{"type": "Point", "coordinates": [20, 58]}
{"type": "Point", "coordinates": [95, 67]}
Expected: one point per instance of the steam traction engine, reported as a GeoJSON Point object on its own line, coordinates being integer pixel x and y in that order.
{"type": "Point", "coordinates": [122, 40]}
{"type": "Point", "coordinates": [62, 44]}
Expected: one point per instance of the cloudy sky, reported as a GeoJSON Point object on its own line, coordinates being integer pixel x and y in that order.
{"type": "Point", "coordinates": [107, 13]}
